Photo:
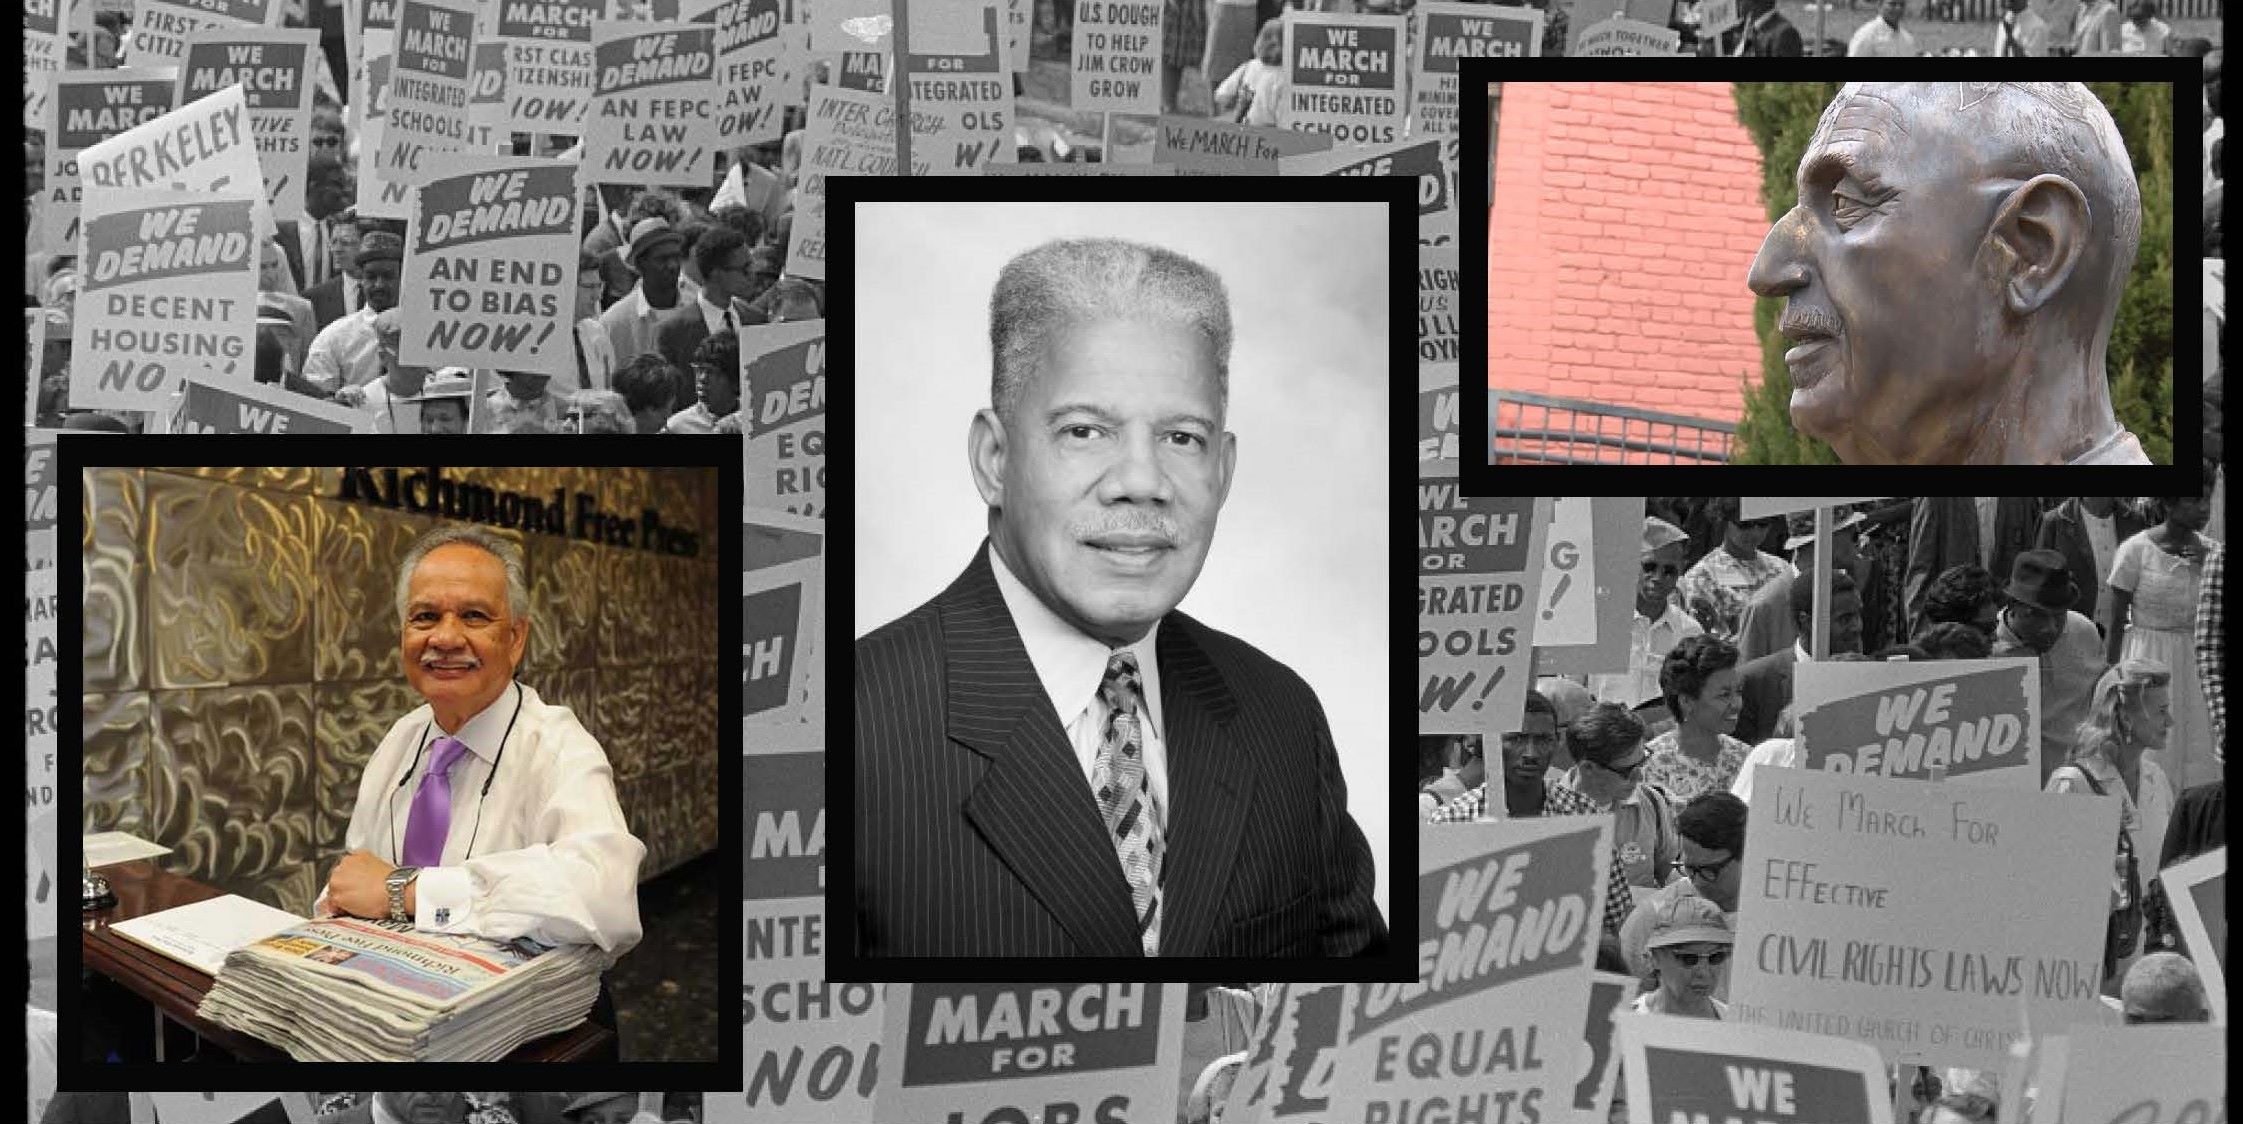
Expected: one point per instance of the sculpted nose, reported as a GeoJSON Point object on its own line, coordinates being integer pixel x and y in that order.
{"type": "Point", "coordinates": [1780, 268]}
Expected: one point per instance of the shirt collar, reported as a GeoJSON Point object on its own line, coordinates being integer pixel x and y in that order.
{"type": "Point", "coordinates": [640, 309]}
{"type": "Point", "coordinates": [487, 729]}
{"type": "Point", "coordinates": [711, 315]}
{"type": "Point", "coordinates": [1069, 664]}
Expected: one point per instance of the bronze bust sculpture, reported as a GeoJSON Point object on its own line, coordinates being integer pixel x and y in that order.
{"type": "Point", "coordinates": [1951, 272]}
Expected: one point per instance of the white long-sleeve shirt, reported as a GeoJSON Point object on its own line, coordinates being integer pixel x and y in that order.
{"type": "Point", "coordinates": [553, 858]}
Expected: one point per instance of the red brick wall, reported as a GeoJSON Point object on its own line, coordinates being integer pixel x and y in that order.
{"type": "Point", "coordinates": [1626, 217]}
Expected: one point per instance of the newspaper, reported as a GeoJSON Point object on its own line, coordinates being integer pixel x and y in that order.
{"type": "Point", "coordinates": [344, 989]}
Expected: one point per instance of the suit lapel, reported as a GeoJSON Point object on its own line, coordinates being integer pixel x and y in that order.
{"type": "Point", "coordinates": [1207, 808]}
{"type": "Point", "coordinates": [1031, 802]}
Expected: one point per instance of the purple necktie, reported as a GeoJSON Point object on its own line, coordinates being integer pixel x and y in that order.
{"type": "Point", "coordinates": [431, 818]}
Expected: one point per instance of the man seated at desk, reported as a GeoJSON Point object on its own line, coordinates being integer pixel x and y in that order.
{"type": "Point", "coordinates": [447, 835]}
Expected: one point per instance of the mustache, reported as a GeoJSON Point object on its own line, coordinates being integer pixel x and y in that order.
{"type": "Point", "coordinates": [1807, 322]}
{"type": "Point", "coordinates": [1150, 527]}
{"type": "Point", "coordinates": [470, 662]}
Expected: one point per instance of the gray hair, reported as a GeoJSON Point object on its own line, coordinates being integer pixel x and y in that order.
{"type": "Point", "coordinates": [497, 546]}
{"type": "Point", "coordinates": [1047, 289]}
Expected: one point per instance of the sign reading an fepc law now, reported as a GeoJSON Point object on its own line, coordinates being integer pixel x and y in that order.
{"type": "Point", "coordinates": [1509, 914]}
{"type": "Point", "coordinates": [1924, 918]}
{"type": "Point", "coordinates": [1707, 1069]}
{"type": "Point", "coordinates": [1479, 569]}
{"type": "Point", "coordinates": [653, 116]}
{"type": "Point", "coordinates": [963, 1053]}
{"type": "Point", "coordinates": [1977, 719]}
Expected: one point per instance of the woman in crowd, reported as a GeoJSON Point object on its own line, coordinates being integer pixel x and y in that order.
{"type": "Point", "coordinates": [2150, 613]}
{"type": "Point", "coordinates": [2128, 713]}
{"type": "Point", "coordinates": [1689, 946]}
{"type": "Point", "coordinates": [1699, 681]}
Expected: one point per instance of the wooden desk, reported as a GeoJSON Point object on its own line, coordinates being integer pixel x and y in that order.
{"type": "Point", "coordinates": [177, 990]}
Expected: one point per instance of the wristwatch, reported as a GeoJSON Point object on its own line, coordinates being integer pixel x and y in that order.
{"type": "Point", "coordinates": [398, 879]}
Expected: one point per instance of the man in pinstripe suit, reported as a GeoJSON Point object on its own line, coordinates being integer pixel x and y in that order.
{"type": "Point", "coordinates": [1052, 761]}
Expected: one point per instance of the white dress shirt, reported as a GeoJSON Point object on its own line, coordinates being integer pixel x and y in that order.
{"type": "Point", "coordinates": [1649, 642]}
{"type": "Point", "coordinates": [553, 858]}
{"type": "Point", "coordinates": [1878, 39]}
{"type": "Point", "coordinates": [1071, 665]}
{"type": "Point", "coordinates": [346, 352]}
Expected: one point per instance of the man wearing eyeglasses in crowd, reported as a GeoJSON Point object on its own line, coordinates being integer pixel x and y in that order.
{"type": "Point", "coordinates": [1712, 831]}
{"type": "Point", "coordinates": [1659, 623]}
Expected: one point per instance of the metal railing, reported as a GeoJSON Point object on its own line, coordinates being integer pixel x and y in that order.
{"type": "Point", "coordinates": [1540, 429]}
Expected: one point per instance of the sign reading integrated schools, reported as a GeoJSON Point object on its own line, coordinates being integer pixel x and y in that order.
{"type": "Point", "coordinates": [1509, 915]}
{"type": "Point", "coordinates": [1479, 566]}
{"type": "Point", "coordinates": [170, 289]}
{"type": "Point", "coordinates": [1344, 76]}
{"type": "Point", "coordinates": [274, 70]}
{"type": "Point", "coordinates": [1977, 719]}
{"type": "Point", "coordinates": [1892, 912]}
{"type": "Point", "coordinates": [426, 115]}
{"type": "Point", "coordinates": [981, 1053]}
{"type": "Point", "coordinates": [490, 272]}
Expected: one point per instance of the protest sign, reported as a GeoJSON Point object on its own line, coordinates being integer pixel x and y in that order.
{"type": "Point", "coordinates": [1449, 31]}
{"type": "Point", "coordinates": [1344, 76]}
{"type": "Point", "coordinates": [970, 97]}
{"type": "Point", "coordinates": [1889, 911]}
{"type": "Point", "coordinates": [749, 71]}
{"type": "Point", "coordinates": [489, 276]}
{"type": "Point", "coordinates": [863, 71]}
{"type": "Point", "coordinates": [1437, 338]}
{"type": "Point", "coordinates": [780, 613]}
{"type": "Point", "coordinates": [783, 403]}
{"type": "Point", "coordinates": [992, 1053]}
{"type": "Point", "coordinates": [2160, 1074]}
{"type": "Point", "coordinates": [1116, 56]}
{"type": "Point", "coordinates": [35, 347]}
{"type": "Point", "coordinates": [2196, 889]}
{"type": "Point", "coordinates": [86, 107]}
{"type": "Point", "coordinates": [1979, 720]}
{"type": "Point", "coordinates": [1047, 168]}
{"type": "Point", "coordinates": [1437, 228]}
{"type": "Point", "coordinates": [1509, 914]}
{"type": "Point", "coordinates": [1213, 148]}
{"type": "Point", "coordinates": [1761, 507]}
{"type": "Point", "coordinates": [486, 100]}
{"type": "Point", "coordinates": [1420, 158]}
{"type": "Point", "coordinates": [847, 25]}
{"type": "Point", "coordinates": [849, 133]}
{"type": "Point", "coordinates": [1623, 37]}
{"type": "Point", "coordinates": [1707, 1069]}
{"type": "Point", "coordinates": [1616, 531]}
{"type": "Point", "coordinates": [235, 406]}
{"type": "Point", "coordinates": [1584, 13]}
{"type": "Point", "coordinates": [1436, 418]}
{"type": "Point", "coordinates": [548, 46]}
{"type": "Point", "coordinates": [204, 145]}
{"type": "Point", "coordinates": [170, 289]}
{"type": "Point", "coordinates": [1568, 589]}
{"type": "Point", "coordinates": [41, 714]}
{"type": "Point", "coordinates": [1609, 993]}
{"type": "Point", "coordinates": [39, 499]}
{"type": "Point", "coordinates": [1477, 588]}
{"type": "Point", "coordinates": [274, 69]}
{"type": "Point", "coordinates": [43, 44]}
{"type": "Point", "coordinates": [425, 118]}
{"type": "Point", "coordinates": [813, 1045]}
{"type": "Point", "coordinates": [229, 1108]}
{"type": "Point", "coordinates": [379, 196]}
{"type": "Point", "coordinates": [1288, 1071]}
{"type": "Point", "coordinates": [1717, 16]}
{"type": "Point", "coordinates": [653, 116]}
{"type": "Point", "coordinates": [161, 28]}
{"type": "Point", "coordinates": [786, 799]}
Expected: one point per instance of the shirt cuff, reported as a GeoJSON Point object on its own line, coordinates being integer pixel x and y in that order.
{"type": "Point", "coordinates": [440, 899]}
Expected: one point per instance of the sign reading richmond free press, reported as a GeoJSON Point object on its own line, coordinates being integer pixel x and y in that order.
{"type": "Point", "coordinates": [982, 1053]}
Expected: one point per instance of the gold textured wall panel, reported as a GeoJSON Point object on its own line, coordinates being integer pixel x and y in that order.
{"type": "Point", "coordinates": [241, 659]}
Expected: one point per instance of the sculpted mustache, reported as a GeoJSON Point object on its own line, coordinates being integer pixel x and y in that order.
{"type": "Point", "coordinates": [1807, 320]}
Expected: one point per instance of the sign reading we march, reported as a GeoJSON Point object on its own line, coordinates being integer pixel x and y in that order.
{"type": "Point", "coordinates": [1700, 1070]}
{"type": "Point", "coordinates": [1479, 567]}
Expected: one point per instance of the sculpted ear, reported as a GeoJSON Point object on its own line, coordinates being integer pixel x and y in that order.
{"type": "Point", "coordinates": [2042, 230]}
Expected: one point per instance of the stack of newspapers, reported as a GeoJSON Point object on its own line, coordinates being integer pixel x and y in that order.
{"type": "Point", "coordinates": [346, 990]}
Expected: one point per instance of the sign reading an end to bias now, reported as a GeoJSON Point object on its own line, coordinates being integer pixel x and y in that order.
{"type": "Point", "coordinates": [980, 1053]}
{"type": "Point", "coordinates": [1479, 567]}
{"type": "Point", "coordinates": [489, 275]}
{"type": "Point", "coordinates": [653, 117]}
{"type": "Point", "coordinates": [1978, 720]}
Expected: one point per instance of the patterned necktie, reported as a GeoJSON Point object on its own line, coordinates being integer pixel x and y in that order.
{"type": "Point", "coordinates": [431, 818]}
{"type": "Point", "coordinates": [1118, 779]}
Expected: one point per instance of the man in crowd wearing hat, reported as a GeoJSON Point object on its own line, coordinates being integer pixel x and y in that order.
{"type": "Point", "coordinates": [602, 1108]}
{"type": "Point", "coordinates": [524, 405]}
{"type": "Point", "coordinates": [656, 252]}
{"type": "Point", "coordinates": [1712, 829]}
{"type": "Point", "coordinates": [2038, 620]}
{"type": "Point", "coordinates": [443, 401]}
{"type": "Point", "coordinates": [716, 378]}
{"type": "Point", "coordinates": [1767, 625]}
{"type": "Point", "coordinates": [722, 255]}
{"type": "Point", "coordinates": [1659, 623]}
{"type": "Point", "coordinates": [1688, 947]}
{"type": "Point", "coordinates": [348, 351]}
